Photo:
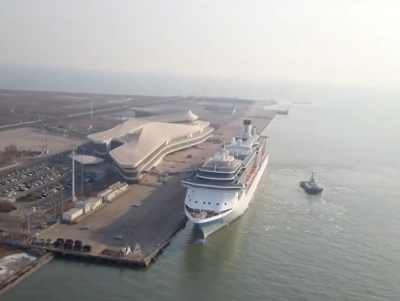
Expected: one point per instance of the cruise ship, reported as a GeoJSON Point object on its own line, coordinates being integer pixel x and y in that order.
{"type": "Point", "coordinates": [224, 185]}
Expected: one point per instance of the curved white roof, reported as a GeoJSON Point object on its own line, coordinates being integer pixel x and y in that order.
{"type": "Point", "coordinates": [132, 126]}
{"type": "Point", "coordinates": [152, 136]}
{"type": "Point", "coordinates": [85, 159]}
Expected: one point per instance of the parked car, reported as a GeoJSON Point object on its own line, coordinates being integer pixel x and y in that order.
{"type": "Point", "coordinates": [87, 248]}
{"type": "Point", "coordinates": [68, 246]}
{"type": "Point", "coordinates": [60, 241]}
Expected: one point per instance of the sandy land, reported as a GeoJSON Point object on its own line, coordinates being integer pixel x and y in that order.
{"type": "Point", "coordinates": [35, 140]}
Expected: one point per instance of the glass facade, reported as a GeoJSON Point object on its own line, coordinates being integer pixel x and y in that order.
{"type": "Point", "coordinates": [100, 148]}
{"type": "Point", "coordinates": [129, 172]}
{"type": "Point", "coordinates": [115, 144]}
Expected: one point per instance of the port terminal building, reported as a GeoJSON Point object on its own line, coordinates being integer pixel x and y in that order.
{"type": "Point", "coordinates": [136, 145]}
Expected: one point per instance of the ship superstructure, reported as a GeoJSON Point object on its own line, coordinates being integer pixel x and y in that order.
{"type": "Point", "coordinates": [224, 184]}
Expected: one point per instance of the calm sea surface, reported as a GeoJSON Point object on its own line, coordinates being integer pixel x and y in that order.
{"type": "Point", "coordinates": [343, 245]}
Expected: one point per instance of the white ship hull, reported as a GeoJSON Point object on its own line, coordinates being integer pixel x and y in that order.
{"type": "Point", "coordinates": [209, 226]}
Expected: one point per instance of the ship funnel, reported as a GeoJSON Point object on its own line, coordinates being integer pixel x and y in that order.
{"type": "Point", "coordinates": [254, 132]}
{"type": "Point", "coordinates": [247, 127]}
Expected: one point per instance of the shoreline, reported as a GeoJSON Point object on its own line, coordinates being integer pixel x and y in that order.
{"type": "Point", "coordinates": [15, 278]}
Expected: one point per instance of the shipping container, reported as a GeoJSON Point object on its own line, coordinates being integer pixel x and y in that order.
{"type": "Point", "coordinates": [115, 185]}
{"type": "Point", "coordinates": [80, 204]}
{"type": "Point", "coordinates": [83, 205]}
{"type": "Point", "coordinates": [111, 196]}
{"type": "Point", "coordinates": [94, 202]}
{"type": "Point", "coordinates": [103, 193]}
{"type": "Point", "coordinates": [72, 214]}
{"type": "Point", "coordinates": [123, 188]}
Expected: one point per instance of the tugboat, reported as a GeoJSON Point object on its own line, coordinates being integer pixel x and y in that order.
{"type": "Point", "coordinates": [310, 186]}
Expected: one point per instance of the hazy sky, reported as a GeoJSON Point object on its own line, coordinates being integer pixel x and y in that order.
{"type": "Point", "coordinates": [336, 41]}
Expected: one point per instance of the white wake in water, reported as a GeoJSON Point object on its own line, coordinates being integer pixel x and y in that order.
{"type": "Point", "coordinates": [286, 207]}
{"type": "Point", "coordinates": [12, 263]}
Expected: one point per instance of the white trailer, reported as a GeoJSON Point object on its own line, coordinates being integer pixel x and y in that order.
{"type": "Point", "coordinates": [94, 202]}
{"type": "Point", "coordinates": [103, 193]}
{"type": "Point", "coordinates": [115, 185]}
{"type": "Point", "coordinates": [72, 214]}
{"type": "Point", "coordinates": [112, 195]}
{"type": "Point", "coordinates": [86, 206]}
{"type": "Point", "coordinates": [123, 188]}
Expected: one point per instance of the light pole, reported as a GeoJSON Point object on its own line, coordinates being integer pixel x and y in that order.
{"type": "Point", "coordinates": [82, 175]}
{"type": "Point", "coordinates": [45, 128]}
{"type": "Point", "coordinates": [62, 201]}
{"type": "Point", "coordinates": [28, 221]}
{"type": "Point", "coordinates": [55, 207]}
{"type": "Point", "coordinates": [73, 174]}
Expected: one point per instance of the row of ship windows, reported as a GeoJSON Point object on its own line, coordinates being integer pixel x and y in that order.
{"type": "Point", "coordinates": [212, 188]}
{"type": "Point", "coordinates": [209, 203]}
{"type": "Point", "coordinates": [252, 161]}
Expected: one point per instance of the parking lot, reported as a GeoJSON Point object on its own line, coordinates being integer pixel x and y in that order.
{"type": "Point", "coordinates": [43, 213]}
{"type": "Point", "coordinates": [26, 182]}
{"type": "Point", "coordinates": [56, 191]}
{"type": "Point", "coordinates": [9, 185]}
{"type": "Point", "coordinates": [40, 187]}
